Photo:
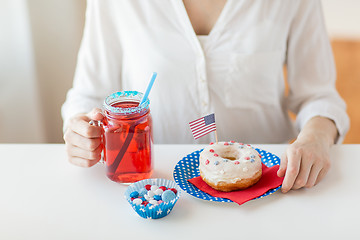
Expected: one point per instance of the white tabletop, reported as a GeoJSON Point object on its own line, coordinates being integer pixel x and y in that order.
{"type": "Point", "coordinates": [42, 196]}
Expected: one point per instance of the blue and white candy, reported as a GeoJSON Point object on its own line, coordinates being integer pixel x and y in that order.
{"type": "Point", "coordinates": [154, 196]}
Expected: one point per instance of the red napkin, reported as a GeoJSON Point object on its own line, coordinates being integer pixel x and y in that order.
{"type": "Point", "coordinates": [268, 180]}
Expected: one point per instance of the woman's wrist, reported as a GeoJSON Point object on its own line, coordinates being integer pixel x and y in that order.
{"type": "Point", "coordinates": [319, 129]}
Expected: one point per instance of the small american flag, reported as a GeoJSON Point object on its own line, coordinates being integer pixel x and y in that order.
{"type": "Point", "coordinates": [203, 126]}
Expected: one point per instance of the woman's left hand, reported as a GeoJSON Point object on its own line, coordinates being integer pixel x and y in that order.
{"type": "Point", "coordinates": [307, 160]}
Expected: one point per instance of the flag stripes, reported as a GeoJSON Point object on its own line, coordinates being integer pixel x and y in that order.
{"type": "Point", "coordinates": [203, 126]}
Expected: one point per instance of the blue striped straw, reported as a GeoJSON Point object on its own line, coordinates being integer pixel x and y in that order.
{"type": "Point", "coordinates": [148, 88]}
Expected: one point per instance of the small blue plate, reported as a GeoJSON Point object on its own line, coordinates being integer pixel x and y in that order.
{"type": "Point", "coordinates": [188, 168]}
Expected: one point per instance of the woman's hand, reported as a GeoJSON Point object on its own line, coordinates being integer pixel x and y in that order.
{"type": "Point", "coordinates": [82, 140]}
{"type": "Point", "coordinates": [306, 161]}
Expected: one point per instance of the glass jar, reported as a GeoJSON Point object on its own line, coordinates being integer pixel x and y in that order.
{"type": "Point", "coordinates": [127, 137]}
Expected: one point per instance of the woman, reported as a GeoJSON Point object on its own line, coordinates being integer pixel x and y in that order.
{"type": "Point", "coordinates": [216, 56]}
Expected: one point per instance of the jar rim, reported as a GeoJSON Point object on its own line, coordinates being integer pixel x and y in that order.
{"type": "Point", "coordinates": [133, 96]}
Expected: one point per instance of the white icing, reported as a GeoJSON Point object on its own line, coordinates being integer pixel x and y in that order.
{"type": "Point", "coordinates": [234, 162]}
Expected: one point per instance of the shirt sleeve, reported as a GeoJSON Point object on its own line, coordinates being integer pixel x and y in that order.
{"type": "Point", "coordinates": [311, 70]}
{"type": "Point", "coordinates": [98, 70]}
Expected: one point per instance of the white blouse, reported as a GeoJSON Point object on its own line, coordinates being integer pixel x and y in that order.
{"type": "Point", "coordinates": [237, 71]}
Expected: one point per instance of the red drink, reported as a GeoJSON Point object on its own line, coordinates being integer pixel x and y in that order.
{"type": "Point", "coordinates": [127, 139]}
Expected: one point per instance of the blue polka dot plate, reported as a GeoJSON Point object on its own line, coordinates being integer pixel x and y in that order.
{"type": "Point", "coordinates": [188, 168]}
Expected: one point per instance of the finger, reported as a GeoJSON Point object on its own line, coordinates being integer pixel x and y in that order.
{"type": "Point", "coordinates": [82, 162]}
{"type": "Point", "coordinates": [321, 175]}
{"type": "Point", "coordinates": [292, 170]}
{"type": "Point", "coordinates": [283, 165]}
{"type": "Point", "coordinates": [82, 127]}
{"type": "Point", "coordinates": [304, 172]}
{"type": "Point", "coordinates": [89, 144]}
{"type": "Point", "coordinates": [314, 173]}
{"type": "Point", "coordinates": [74, 151]}
{"type": "Point", "coordinates": [96, 114]}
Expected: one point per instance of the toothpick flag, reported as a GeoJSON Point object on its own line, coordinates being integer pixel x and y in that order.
{"type": "Point", "coordinates": [202, 126]}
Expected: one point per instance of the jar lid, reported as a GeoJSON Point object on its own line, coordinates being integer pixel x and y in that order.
{"type": "Point", "coordinates": [125, 96]}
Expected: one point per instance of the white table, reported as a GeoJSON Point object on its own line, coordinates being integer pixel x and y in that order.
{"type": "Point", "coordinates": [43, 196]}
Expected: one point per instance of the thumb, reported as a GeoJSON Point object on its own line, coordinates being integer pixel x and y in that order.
{"type": "Point", "coordinates": [95, 114]}
{"type": "Point", "coordinates": [283, 165]}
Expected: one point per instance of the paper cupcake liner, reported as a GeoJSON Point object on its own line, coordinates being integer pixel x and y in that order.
{"type": "Point", "coordinates": [153, 211]}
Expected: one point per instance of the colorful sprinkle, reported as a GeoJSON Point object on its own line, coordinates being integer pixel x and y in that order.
{"type": "Point", "coordinates": [157, 197]}
{"type": "Point", "coordinates": [174, 190]}
{"type": "Point", "coordinates": [137, 201]}
{"type": "Point", "coordinates": [232, 141]}
{"type": "Point", "coordinates": [151, 194]}
{"type": "Point", "coordinates": [252, 160]}
{"type": "Point", "coordinates": [207, 162]}
{"type": "Point", "coordinates": [142, 192]}
{"type": "Point", "coordinates": [134, 194]}
{"type": "Point", "coordinates": [216, 155]}
{"type": "Point", "coordinates": [247, 158]}
{"type": "Point", "coordinates": [237, 162]}
{"type": "Point", "coordinates": [154, 188]}
{"type": "Point", "coordinates": [211, 150]}
{"type": "Point", "coordinates": [158, 191]}
{"type": "Point", "coordinates": [216, 162]}
{"type": "Point", "coordinates": [226, 143]}
{"type": "Point", "coordinates": [148, 187]}
{"type": "Point", "coordinates": [163, 188]}
{"type": "Point", "coordinates": [168, 195]}
{"type": "Point", "coordinates": [153, 202]}
{"type": "Point", "coordinates": [252, 156]}
{"type": "Point", "coordinates": [211, 143]}
{"type": "Point", "coordinates": [225, 160]}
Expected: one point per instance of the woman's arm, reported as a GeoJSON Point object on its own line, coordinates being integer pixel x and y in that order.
{"type": "Point", "coordinates": [321, 113]}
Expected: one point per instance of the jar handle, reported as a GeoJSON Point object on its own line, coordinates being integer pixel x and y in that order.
{"type": "Point", "coordinates": [99, 124]}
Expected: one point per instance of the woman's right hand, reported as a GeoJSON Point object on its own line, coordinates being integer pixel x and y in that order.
{"type": "Point", "coordinates": [82, 140]}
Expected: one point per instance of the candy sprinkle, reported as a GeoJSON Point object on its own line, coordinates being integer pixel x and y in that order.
{"type": "Point", "coordinates": [134, 194]}
{"type": "Point", "coordinates": [137, 201]}
{"type": "Point", "coordinates": [168, 195]}
{"type": "Point", "coordinates": [174, 190]}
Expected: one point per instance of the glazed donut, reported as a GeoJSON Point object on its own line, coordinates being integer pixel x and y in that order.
{"type": "Point", "coordinates": [230, 166]}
